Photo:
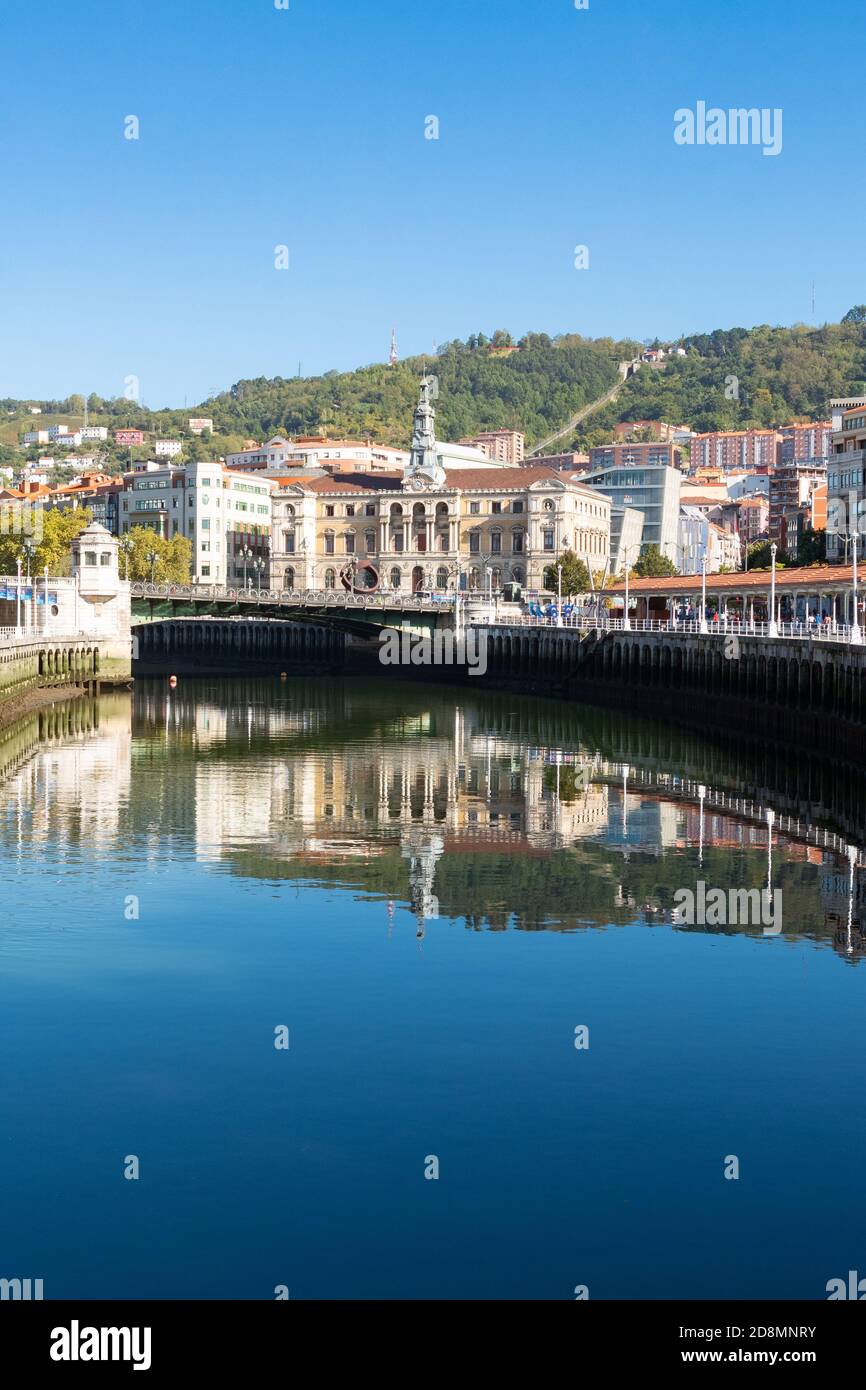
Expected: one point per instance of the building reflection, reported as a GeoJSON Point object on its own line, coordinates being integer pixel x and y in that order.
{"type": "Point", "coordinates": [440, 805]}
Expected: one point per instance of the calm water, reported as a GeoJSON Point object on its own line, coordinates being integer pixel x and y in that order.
{"type": "Point", "coordinates": [431, 891]}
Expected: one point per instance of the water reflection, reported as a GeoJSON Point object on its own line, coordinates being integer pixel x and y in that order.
{"type": "Point", "coordinates": [494, 810]}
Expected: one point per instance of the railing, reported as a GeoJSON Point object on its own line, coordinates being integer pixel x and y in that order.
{"type": "Point", "coordinates": [16, 636]}
{"type": "Point", "coordinates": [291, 598]}
{"type": "Point", "coordinates": [725, 627]}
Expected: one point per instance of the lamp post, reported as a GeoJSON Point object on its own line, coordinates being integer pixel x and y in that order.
{"type": "Point", "coordinates": [703, 626]}
{"type": "Point", "coordinates": [18, 597]}
{"type": "Point", "coordinates": [559, 595]}
{"type": "Point", "coordinates": [152, 558]}
{"type": "Point", "coordinates": [246, 555]}
{"type": "Point", "coordinates": [856, 638]}
{"type": "Point", "coordinates": [773, 629]}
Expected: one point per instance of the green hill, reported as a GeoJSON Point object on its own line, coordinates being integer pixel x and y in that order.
{"type": "Point", "coordinates": [729, 379]}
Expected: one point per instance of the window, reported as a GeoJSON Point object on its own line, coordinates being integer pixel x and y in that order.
{"type": "Point", "coordinates": [205, 569]}
{"type": "Point", "coordinates": [496, 508]}
{"type": "Point", "coordinates": [330, 579]}
{"type": "Point", "coordinates": [517, 542]}
{"type": "Point", "coordinates": [350, 542]}
{"type": "Point", "coordinates": [474, 508]}
{"type": "Point", "coordinates": [370, 509]}
{"type": "Point", "coordinates": [329, 542]}
{"type": "Point", "coordinates": [441, 578]}
{"type": "Point", "coordinates": [517, 506]}
{"type": "Point", "coordinates": [289, 539]}
{"type": "Point", "coordinates": [395, 578]}
{"type": "Point", "coordinates": [496, 542]}
{"type": "Point", "coordinates": [289, 578]}
{"type": "Point", "coordinates": [474, 543]}
{"type": "Point", "coordinates": [350, 510]}
{"type": "Point", "coordinates": [548, 540]}
{"type": "Point", "coordinates": [105, 558]}
{"type": "Point", "coordinates": [90, 557]}
{"type": "Point", "coordinates": [329, 511]}
{"type": "Point", "coordinates": [398, 543]}
{"type": "Point", "coordinates": [370, 541]}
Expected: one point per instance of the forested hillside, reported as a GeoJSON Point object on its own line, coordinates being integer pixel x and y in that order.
{"type": "Point", "coordinates": [729, 379]}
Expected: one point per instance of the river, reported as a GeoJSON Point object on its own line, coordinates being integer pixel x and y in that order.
{"type": "Point", "coordinates": [356, 989]}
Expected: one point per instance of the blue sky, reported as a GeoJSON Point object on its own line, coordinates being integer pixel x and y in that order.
{"type": "Point", "coordinates": [305, 127]}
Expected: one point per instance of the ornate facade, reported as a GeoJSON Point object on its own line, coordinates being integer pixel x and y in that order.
{"type": "Point", "coordinates": [434, 527]}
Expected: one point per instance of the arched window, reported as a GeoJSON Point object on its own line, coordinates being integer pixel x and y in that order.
{"type": "Point", "coordinates": [289, 578]}
{"type": "Point", "coordinates": [495, 542]}
{"type": "Point", "coordinates": [396, 578]}
{"type": "Point", "coordinates": [441, 511]}
{"type": "Point", "coordinates": [517, 574]}
{"type": "Point", "coordinates": [330, 579]}
{"type": "Point", "coordinates": [419, 511]}
{"type": "Point", "coordinates": [441, 578]}
{"type": "Point", "coordinates": [396, 510]}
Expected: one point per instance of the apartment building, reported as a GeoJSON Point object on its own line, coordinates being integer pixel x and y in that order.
{"type": "Point", "coordinates": [658, 431]}
{"type": "Point", "coordinates": [226, 515]}
{"type": "Point", "coordinates": [739, 451]}
{"type": "Point", "coordinates": [800, 443]}
{"type": "Point", "coordinates": [129, 436]}
{"type": "Point", "coordinates": [791, 486]}
{"type": "Point", "coordinates": [167, 448]}
{"type": "Point", "coordinates": [634, 455]}
{"type": "Point", "coordinates": [846, 475]}
{"type": "Point", "coordinates": [505, 446]}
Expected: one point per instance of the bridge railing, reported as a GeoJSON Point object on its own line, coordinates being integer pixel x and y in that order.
{"type": "Point", "coordinates": [291, 598]}
{"type": "Point", "coordinates": [725, 627]}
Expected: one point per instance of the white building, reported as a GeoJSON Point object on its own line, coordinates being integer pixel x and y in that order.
{"type": "Point", "coordinates": [93, 432]}
{"type": "Point", "coordinates": [37, 437]}
{"type": "Point", "coordinates": [226, 515]}
{"type": "Point", "coordinates": [167, 448]}
{"type": "Point", "coordinates": [699, 537]}
{"type": "Point", "coordinates": [199, 425]}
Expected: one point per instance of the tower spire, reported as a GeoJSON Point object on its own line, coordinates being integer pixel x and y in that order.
{"type": "Point", "coordinates": [392, 356]}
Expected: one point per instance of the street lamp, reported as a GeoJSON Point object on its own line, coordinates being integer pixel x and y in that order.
{"type": "Point", "coordinates": [246, 554]}
{"type": "Point", "coordinates": [559, 595]}
{"type": "Point", "coordinates": [29, 547]}
{"type": "Point", "coordinates": [152, 558]}
{"type": "Point", "coordinates": [126, 547]}
{"type": "Point", "coordinates": [773, 630]}
{"type": "Point", "coordinates": [703, 627]}
{"type": "Point", "coordinates": [856, 638]}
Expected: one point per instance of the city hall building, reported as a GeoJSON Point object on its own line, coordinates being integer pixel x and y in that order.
{"type": "Point", "coordinates": [437, 525]}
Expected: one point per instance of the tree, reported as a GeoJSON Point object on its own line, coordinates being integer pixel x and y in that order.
{"type": "Point", "coordinates": [856, 315]}
{"type": "Point", "coordinates": [652, 564]}
{"type": "Point", "coordinates": [52, 530]}
{"type": "Point", "coordinates": [173, 557]}
{"type": "Point", "coordinates": [575, 575]}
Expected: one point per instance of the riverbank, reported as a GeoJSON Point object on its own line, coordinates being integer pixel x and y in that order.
{"type": "Point", "coordinates": [17, 706]}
